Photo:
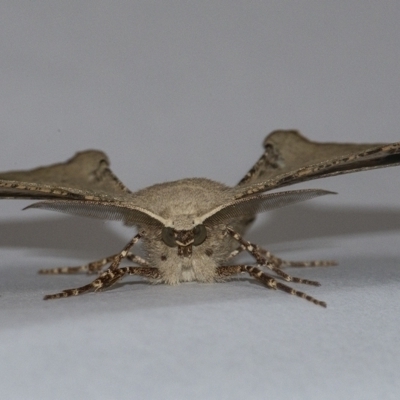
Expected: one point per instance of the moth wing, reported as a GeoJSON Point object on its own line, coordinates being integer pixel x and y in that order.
{"type": "Point", "coordinates": [86, 173]}
{"type": "Point", "coordinates": [290, 158]}
{"type": "Point", "coordinates": [128, 213]}
{"type": "Point", "coordinates": [252, 205]}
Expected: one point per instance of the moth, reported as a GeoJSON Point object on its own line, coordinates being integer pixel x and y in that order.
{"type": "Point", "coordinates": [191, 229]}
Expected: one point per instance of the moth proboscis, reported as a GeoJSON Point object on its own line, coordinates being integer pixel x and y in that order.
{"type": "Point", "coordinates": [191, 229]}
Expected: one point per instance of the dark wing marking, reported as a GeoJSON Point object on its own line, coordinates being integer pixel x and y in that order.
{"type": "Point", "coordinates": [26, 190]}
{"type": "Point", "coordinates": [87, 173]}
{"type": "Point", "coordinates": [290, 158]}
{"type": "Point", "coordinates": [252, 205]}
{"type": "Point", "coordinates": [130, 214]}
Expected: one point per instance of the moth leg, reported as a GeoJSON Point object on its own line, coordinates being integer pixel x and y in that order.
{"type": "Point", "coordinates": [103, 278]}
{"type": "Point", "coordinates": [90, 268]}
{"type": "Point", "coordinates": [146, 272]}
{"type": "Point", "coordinates": [235, 252]}
{"type": "Point", "coordinates": [313, 263]}
{"type": "Point", "coordinates": [296, 264]}
{"type": "Point", "coordinates": [261, 259]}
{"type": "Point", "coordinates": [272, 283]}
{"type": "Point", "coordinates": [124, 252]}
{"type": "Point", "coordinates": [278, 262]}
{"type": "Point", "coordinates": [94, 266]}
{"type": "Point", "coordinates": [267, 254]}
{"type": "Point", "coordinates": [107, 279]}
{"type": "Point", "coordinates": [227, 271]}
{"type": "Point", "coordinates": [230, 270]}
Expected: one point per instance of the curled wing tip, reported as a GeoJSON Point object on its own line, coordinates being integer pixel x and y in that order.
{"type": "Point", "coordinates": [39, 204]}
{"type": "Point", "coordinates": [282, 134]}
{"type": "Point", "coordinates": [323, 191]}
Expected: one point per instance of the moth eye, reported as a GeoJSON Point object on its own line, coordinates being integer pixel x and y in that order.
{"type": "Point", "coordinates": [168, 237]}
{"type": "Point", "coordinates": [200, 234]}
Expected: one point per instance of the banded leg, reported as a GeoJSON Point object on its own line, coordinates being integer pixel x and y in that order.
{"type": "Point", "coordinates": [312, 263]}
{"type": "Point", "coordinates": [267, 280]}
{"type": "Point", "coordinates": [124, 252]}
{"type": "Point", "coordinates": [235, 252]}
{"type": "Point", "coordinates": [267, 254]}
{"type": "Point", "coordinates": [296, 264]}
{"type": "Point", "coordinates": [107, 279]}
{"type": "Point", "coordinates": [278, 262]}
{"type": "Point", "coordinates": [254, 250]}
{"type": "Point", "coordinates": [93, 267]}
{"type": "Point", "coordinates": [227, 271]}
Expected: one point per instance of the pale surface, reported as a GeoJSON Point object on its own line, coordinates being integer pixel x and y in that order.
{"type": "Point", "coordinates": [177, 89]}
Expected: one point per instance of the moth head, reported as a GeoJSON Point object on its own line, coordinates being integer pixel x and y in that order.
{"type": "Point", "coordinates": [173, 237]}
{"type": "Point", "coordinates": [184, 239]}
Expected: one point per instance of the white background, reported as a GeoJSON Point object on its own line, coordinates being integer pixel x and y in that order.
{"type": "Point", "coordinates": [174, 89]}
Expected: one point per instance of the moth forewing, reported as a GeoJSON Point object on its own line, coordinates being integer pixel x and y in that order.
{"type": "Point", "coordinates": [290, 158]}
{"type": "Point", "coordinates": [288, 150]}
{"type": "Point", "coordinates": [87, 171]}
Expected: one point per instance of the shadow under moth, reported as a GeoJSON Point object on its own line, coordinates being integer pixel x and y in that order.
{"type": "Point", "coordinates": [192, 229]}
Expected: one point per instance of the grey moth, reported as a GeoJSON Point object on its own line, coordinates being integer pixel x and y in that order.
{"type": "Point", "coordinates": [191, 229]}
